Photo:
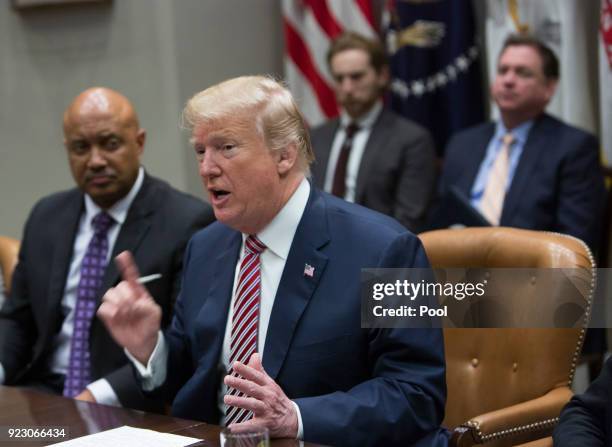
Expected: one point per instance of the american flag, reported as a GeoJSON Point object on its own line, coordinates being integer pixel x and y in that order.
{"type": "Point", "coordinates": [310, 26]}
{"type": "Point", "coordinates": [308, 270]}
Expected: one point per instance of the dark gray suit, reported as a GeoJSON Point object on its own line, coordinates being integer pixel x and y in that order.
{"type": "Point", "coordinates": [159, 223]}
{"type": "Point", "coordinates": [397, 173]}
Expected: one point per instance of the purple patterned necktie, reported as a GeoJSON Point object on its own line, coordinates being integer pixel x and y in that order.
{"type": "Point", "coordinates": [92, 273]}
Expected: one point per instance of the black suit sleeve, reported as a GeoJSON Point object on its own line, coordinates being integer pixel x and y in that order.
{"type": "Point", "coordinates": [585, 420]}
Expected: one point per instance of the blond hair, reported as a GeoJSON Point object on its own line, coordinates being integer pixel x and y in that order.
{"type": "Point", "coordinates": [277, 118]}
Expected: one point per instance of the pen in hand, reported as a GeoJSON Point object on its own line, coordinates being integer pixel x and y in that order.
{"type": "Point", "coordinates": [149, 278]}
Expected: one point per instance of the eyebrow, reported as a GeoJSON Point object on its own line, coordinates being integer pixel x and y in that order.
{"type": "Point", "coordinates": [216, 136]}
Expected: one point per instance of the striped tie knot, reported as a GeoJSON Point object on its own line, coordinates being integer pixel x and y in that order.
{"type": "Point", "coordinates": [253, 245]}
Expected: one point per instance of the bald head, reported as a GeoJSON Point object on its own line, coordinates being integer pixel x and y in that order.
{"type": "Point", "coordinates": [104, 143]}
{"type": "Point", "coordinates": [101, 101]}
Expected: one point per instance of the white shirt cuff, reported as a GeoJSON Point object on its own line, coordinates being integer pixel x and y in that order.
{"type": "Point", "coordinates": [153, 374]}
{"type": "Point", "coordinates": [2, 373]}
{"type": "Point", "coordinates": [103, 393]}
{"type": "Point", "coordinates": [300, 433]}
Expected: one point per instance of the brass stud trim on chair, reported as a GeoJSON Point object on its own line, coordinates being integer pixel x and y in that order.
{"type": "Point", "coordinates": [480, 438]}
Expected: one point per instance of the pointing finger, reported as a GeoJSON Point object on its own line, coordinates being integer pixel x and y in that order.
{"type": "Point", "coordinates": [129, 272]}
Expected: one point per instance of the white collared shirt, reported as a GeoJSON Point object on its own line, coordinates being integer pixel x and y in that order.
{"type": "Point", "coordinates": [360, 139]}
{"type": "Point", "coordinates": [278, 237]}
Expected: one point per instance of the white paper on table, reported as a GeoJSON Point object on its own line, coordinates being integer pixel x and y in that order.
{"type": "Point", "coordinates": [129, 437]}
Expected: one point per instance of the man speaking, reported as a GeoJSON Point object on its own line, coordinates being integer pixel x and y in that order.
{"type": "Point", "coordinates": [267, 326]}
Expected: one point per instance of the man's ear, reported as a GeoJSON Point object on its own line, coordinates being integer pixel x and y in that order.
{"type": "Point", "coordinates": [141, 137]}
{"type": "Point", "coordinates": [551, 87]}
{"type": "Point", "coordinates": [286, 159]}
{"type": "Point", "coordinates": [384, 77]}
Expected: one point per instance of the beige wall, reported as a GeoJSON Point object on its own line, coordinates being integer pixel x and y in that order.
{"type": "Point", "coordinates": [157, 52]}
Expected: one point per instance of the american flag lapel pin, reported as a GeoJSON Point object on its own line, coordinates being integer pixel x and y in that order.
{"type": "Point", "coordinates": [308, 270]}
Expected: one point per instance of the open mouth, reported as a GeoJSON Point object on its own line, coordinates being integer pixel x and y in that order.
{"type": "Point", "coordinates": [218, 194]}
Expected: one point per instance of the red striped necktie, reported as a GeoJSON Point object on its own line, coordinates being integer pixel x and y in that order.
{"type": "Point", "coordinates": [245, 319]}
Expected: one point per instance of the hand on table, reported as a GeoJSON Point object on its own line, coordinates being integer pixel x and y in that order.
{"type": "Point", "coordinates": [270, 405]}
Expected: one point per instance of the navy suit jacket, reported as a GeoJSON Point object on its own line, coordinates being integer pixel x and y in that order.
{"type": "Point", "coordinates": [557, 186]}
{"type": "Point", "coordinates": [353, 386]}
{"type": "Point", "coordinates": [397, 173]}
{"type": "Point", "coordinates": [158, 225]}
{"type": "Point", "coordinates": [587, 419]}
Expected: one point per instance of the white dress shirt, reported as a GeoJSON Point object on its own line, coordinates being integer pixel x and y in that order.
{"type": "Point", "coordinates": [278, 237]}
{"type": "Point", "coordinates": [520, 134]}
{"type": "Point", "coordinates": [360, 139]}
{"type": "Point", "coordinates": [60, 357]}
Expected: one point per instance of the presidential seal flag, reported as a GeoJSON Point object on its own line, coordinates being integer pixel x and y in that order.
{"type": "Point", "coordinates": [434, 61]}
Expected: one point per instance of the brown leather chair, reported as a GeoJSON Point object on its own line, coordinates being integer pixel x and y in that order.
{"type": "Point", "coordinates": [508, 386]}
{"type": "Point", "coordinates": [544, 442]}
{"type": "Point", "coordinates": [9, 248]}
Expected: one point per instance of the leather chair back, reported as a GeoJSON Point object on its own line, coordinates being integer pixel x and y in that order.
{"type": "Point", "coordinates": [489, 369]}
{"type": "Point", "coordinates": [9, 249]}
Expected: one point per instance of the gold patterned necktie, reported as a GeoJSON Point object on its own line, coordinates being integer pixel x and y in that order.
{"type": "Point", "coordinates": [494, 193]}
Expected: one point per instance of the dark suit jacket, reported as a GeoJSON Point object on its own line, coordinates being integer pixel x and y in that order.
{"type": "Point", "coordinates": [557, 186]}
{"type": "Point", "coordinates": [353, 386]}
{"type": "Point", "coordinates": [156, 230]}
{"type": "Point", "coordinates": [587, 419]}
{"type": "Point", "coordinates": [397, 174]}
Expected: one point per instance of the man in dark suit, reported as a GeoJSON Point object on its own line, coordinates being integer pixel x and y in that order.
{"type": "Point", "coordinates": [546, 174]}
{"type": "Point", "coordinates": [370, 155]}
{"type": "Point", "coordinates": [587, 418]}
{"type": "Point", "coordinates": [48, 339]}
{"type": "Point", "coordinates": [267, 326]}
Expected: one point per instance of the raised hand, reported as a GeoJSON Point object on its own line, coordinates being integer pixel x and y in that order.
{"type": "Point", "coordinates": [131, 315]}
{"type": "Point", "coordinates": [270, 405]}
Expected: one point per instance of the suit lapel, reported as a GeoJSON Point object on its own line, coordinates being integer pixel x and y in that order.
{"type": "Point", "coordinates": [297, 285]}
{"type": "Point", "coordinates": [524, 171]}
{"type": "Point", "coordinates": [323, 150]}
{"type": "Point", "coordinates": [375, 146]}
{"type": "Point", "coordinates": [133, 230]}
{"type": "Point", "coordinates": [212, 317]}
{"type": "Point", "coordinates": [67, 228]}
